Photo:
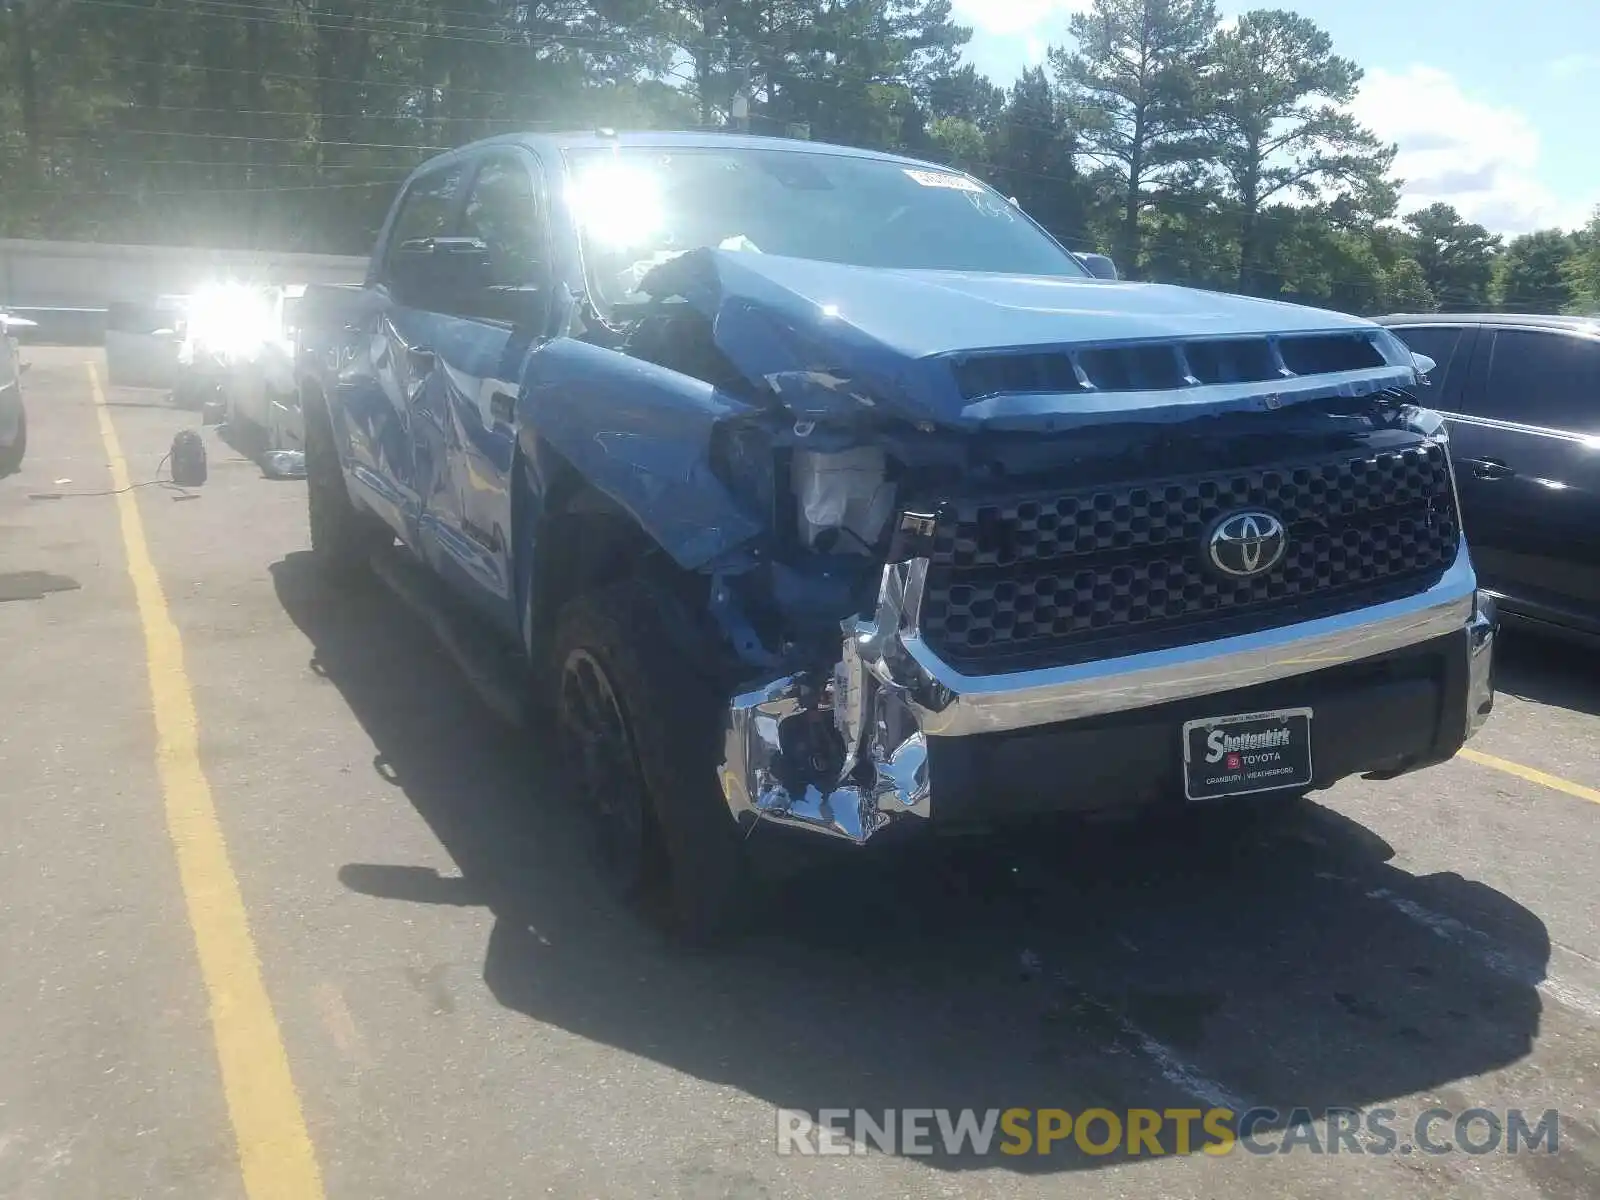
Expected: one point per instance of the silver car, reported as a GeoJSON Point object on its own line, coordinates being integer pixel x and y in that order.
{"type": "Point", "coordinates": [13, 419]}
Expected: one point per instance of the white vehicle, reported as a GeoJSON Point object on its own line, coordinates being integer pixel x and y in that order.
{"type": "Point", "coordinates": [143, 340]}
{"type": "Point", "coordinates": [13, 418]}
{"type": "Point", "coordinates": [261, 398]}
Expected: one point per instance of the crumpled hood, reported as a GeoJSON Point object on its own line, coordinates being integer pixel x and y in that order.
{"type": "Point", "coordinates": [831, 339]}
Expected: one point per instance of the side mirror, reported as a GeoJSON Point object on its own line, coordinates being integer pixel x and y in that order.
{"type": "Point", "coordinates": [1425, 366]}
{"type": "Point", "coordinates": [1099, 266]}
{"type": "Point", "coordinates": [439, 273]}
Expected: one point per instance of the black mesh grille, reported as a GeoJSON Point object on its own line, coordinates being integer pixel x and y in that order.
{"type": "Point", "coordinates": [1054, 576]}
{"type": "Point", "coordinates": [1163, 366]}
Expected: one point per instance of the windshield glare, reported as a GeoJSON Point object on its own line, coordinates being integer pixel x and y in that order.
{"type": "Point", "coordinates": [638, 207]}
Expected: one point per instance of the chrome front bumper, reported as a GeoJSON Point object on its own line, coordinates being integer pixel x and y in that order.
{"type": "Point", "coordinates": [890, 692]}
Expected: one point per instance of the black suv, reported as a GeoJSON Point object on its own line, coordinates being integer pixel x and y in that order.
{"type": "Point", "coordinates": [1522, 396]}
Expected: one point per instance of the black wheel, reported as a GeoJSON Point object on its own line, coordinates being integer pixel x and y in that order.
{"type": "Point", "coordinates": [343, 537]}
{"type": "Point", "coordinates": [642, 734]}
{"type": "Point", "coordinates": [599, 747]}
{"type": "Point", "coordinates": [11, 456]}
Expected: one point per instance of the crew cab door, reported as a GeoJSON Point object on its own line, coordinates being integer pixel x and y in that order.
{"type": "Point", "coordinates": [464, 429]}
{"type": "Point", "coordinates": [1527, 454]}
{"type": "Point", "coordinates": [393, 364]}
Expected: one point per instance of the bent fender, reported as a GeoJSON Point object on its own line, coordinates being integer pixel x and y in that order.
{"type": "Point", "coordinates": [641, 435]}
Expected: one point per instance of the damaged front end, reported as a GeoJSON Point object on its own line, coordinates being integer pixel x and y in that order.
{"type": "Point", "coordinates": [950, 505]}
{"type": "Point", "coordinates": [840, 752]}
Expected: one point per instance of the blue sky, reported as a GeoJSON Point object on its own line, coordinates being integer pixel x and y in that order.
{"type": "Point", "coordinates": [1495, 106]}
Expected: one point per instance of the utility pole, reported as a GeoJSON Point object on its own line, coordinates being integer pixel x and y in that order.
{"type": "Point", "coordinates": [739, 109]}
{"type": "Point", "coordinates": [709, 12]}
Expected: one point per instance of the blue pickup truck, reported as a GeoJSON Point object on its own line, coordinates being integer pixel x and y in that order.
{"type": "Point", "coordinates": [821, 494]}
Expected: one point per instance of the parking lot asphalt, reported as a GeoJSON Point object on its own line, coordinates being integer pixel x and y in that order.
{"type": "Point", "coordinates": [289, 912]}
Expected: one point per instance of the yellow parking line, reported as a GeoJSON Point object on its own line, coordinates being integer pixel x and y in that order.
{"type": "Point", "coordinates": [1532, 775]}
{"type": "Point", "coordinates": [275, 1151]}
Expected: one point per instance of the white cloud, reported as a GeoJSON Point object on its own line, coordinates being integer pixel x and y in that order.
{"type": "Point", "coordinates": [1034, 50]}
{"type": "Point", "coordinates": [1015, 16]}
{"type": "Point", "coordinates": [1461, 150]}
{"type": "Point", "coordinates": [1573, 66]}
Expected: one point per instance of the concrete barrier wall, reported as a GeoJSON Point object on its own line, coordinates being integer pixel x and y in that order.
{"type": "Point", "coordinates": [92, 275]}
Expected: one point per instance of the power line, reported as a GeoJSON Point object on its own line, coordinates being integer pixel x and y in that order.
{"type": "Point", "coordinates": [136, 194]}
{"type": "Point", "coordinates": [407, 85]}
{"type": "Point", "coordinates": [541, 43]}
{"type": "Point", "coordinates": [242, 8]}
{"type": "Point", "coordinates": [311, 114]}
{"type": "Point", "coordinates": [236, 164]}
{"type": "Point", "coordinates": [91, 135]}
{"type": "Point", "coordinates": [384, 5]}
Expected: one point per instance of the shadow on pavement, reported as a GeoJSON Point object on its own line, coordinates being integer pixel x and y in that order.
{"type": "Point", "coordinates": [1548, 670]}
{"type": "Point", "coordinates": [1156, 968]}
{"type": "Point", "coordinates": [247, 441]}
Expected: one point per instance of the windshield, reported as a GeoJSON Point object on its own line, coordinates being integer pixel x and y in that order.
{"type": "Point", "coordinates": [639, 207]}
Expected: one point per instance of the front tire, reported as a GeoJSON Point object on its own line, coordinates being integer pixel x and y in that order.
{"type": "Point", "coordinates": [343, 537]}
{"type": "Point", "coordinates": [642, 732]}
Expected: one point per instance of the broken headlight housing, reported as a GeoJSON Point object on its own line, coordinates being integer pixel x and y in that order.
{"type": "Point", "coordinates": [844, 499]}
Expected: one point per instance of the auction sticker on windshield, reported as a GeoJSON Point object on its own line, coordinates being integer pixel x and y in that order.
{"type": "Point", "coordinates": [939, 179]}
{"type": "Point", "coordinates": [1250, 752]}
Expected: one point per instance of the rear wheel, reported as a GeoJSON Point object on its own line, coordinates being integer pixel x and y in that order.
{"type": "Point", "coordinates": [642, 734]}
{"type": "Point", "coordinates": [11, 456]}
{"type": "Point", "coordinates": [343, 537]}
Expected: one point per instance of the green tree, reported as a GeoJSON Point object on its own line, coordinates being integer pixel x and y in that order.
{"type": "Point", "coordinates": [1406, 287]}
{"type": "Point", "coordinates": [1189, 238]}
{"type": "Point", "coordinates": [1276, 126]}
{"type": "Point", "coordinates": [1583, 269]}
{"type": "Point", "coordinates": [288, 123]}
{"type": "Point", "coordinates": [1532, 275]}
{"type": "Point", "coordinates": [960, 143]}
{"type": "Point", "coordinates": [851, 72]}
{"type": "Point", "coordinates": [1456, 257]}
{"type": "Point", "coordinates": [965, 94]}
{"type": "Point", "coordinates": [1034, 159]}
{"type": "Point", "coordinates": [1134, 78]}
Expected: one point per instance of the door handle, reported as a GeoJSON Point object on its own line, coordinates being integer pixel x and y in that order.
{"type": "Point", "coordinates": [502, 406]}
{"type": "Point", "coordinates": [1489, 468]}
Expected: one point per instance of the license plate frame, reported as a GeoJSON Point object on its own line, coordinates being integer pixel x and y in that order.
{"type": "Point", "coordinates": [1292, 768]}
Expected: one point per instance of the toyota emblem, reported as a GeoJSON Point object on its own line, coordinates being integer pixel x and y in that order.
{"type": "Point", "coordinates": [1244, 544]}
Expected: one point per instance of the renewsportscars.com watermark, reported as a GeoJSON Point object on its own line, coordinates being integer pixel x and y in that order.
{"type": "Point", "coordinates": [1152, 1132]}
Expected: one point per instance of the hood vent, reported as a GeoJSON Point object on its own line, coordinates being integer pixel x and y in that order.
{"type": "Point", "coordinates": [1327, 354]}
{"type": "Point", "coordinates": [1164, 366]}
